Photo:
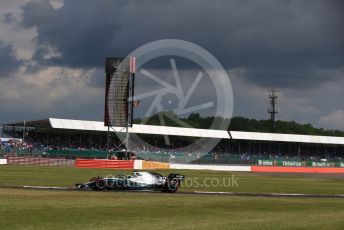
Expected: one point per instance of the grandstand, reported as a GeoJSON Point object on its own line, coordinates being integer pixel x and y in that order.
{"type": "Point", "coordinates": [88, 139]}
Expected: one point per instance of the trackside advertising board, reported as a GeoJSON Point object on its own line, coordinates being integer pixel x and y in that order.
{"type": "Point", "coordinates": [286, 163]}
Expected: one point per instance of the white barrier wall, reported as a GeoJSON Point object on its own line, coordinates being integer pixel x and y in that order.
{"type": "Point", "coordinates": [212, 167]}
{"type": "Point", "coordinates": [3, 161]}
{"type": "Point", "coordinates": [138, 164]}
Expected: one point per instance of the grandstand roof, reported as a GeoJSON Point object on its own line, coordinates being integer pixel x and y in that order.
{"type": "Point", "coordinates": [287, 137]}
{"type": "Point", "coordinates": [44, 123]}
{"type": "Point", "coordinates": [142, 129]}
{"type": "Point", "coordinates": [69, 124]}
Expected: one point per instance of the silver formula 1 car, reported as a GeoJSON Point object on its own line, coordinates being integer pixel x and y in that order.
{"type": "Point", "coordinates": [136, 181]}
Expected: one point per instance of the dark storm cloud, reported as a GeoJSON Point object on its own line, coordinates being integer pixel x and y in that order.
{"type": "Point", "coordinates": [8, 60]}
{"type": "Point", "coordinates": [82, 31]}
{"type": "Point", "coordinates": [9, 18]}
{"type": "Point", "coordinates": [279, 43]}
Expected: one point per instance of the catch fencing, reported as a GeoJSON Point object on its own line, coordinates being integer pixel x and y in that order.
{"type": "Point", "coordinates": [40, 161]}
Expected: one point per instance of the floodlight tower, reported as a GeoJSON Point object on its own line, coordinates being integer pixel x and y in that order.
{"type": "Point", "coordinates": [273, 109]}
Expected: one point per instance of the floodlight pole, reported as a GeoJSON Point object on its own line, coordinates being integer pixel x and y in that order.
{"type": "Point", "coordinates": [273, 110]}
{"type": "Point", "coordinates": [128, 117]}
{"type": "Point", "coordinates": [24, 131]}
{"type": "Point", "coordinates": [126, 141]}
{"type": "Point", "coordinates": [108, 142]}
{"type": "Point", "coordinates": [130, 112]}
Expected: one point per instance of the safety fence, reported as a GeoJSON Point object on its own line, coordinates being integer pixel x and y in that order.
{"type": "Point", "coordinates": [61, 153]}
{"type": "Point", "coordinates": [181, 157]}
{"type": "Point", "coordinates": [76, 153]}
{"type": "Point", "coordinates": [40, 161]}
{"type": "Point", "coordinates": [19, 152]}
{"type": "Point", "coordinates": [147, 165]}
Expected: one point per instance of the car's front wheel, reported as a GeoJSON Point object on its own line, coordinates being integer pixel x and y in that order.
{"type": "Point", "coordinates": [99, 184]}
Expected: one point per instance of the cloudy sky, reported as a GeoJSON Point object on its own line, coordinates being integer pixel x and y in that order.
{"type": "Point", "coordinates": [52, 53]}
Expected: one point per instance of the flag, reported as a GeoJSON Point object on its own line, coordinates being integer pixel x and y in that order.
{"type": "Point", "coordinates": [132, 67]}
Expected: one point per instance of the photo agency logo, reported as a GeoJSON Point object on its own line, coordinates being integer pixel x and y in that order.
{"type": "Point", "coordinates": [230, 181]}
{"type": "Point", "coordinates": [174, 81]}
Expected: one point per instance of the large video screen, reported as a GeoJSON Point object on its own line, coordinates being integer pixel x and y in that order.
{"type": "Point", "coordinates": [116, 93]}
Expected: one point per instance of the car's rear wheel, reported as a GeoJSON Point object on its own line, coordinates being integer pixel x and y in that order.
{"type": "Point", "coordinates": [172, 186]}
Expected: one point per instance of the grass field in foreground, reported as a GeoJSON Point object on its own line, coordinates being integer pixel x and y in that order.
{"type": "Point", "coordinates": [195, 180]}
{"type": "Point", "coordinates": [37, 209]}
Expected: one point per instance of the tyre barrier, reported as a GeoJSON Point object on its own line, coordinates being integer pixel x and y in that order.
{"type": "Point", "coordinates": [154, 165]}
{"type": "Point", "coordinates": [142, 164]}
{"type": "Point", "coordinates": [120, 164]}
{"type": "Point", "coordinates": [107, 164]}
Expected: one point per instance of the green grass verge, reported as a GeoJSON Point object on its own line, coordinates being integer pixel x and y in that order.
{"type": "Point", "coordinates": [36, 209]}
{"type": "Point", "coordinates": [195, 180]}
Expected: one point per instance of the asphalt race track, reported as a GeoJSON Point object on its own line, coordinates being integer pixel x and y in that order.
{"type": "Point", "coordinates": [182, 193]}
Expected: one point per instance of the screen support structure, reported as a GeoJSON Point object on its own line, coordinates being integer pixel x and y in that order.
{"type": "Point", "coordinates": [108, 141]}
{"type": "Point", "coordinates": [119, 94]}
{"type": "Point", "coordinates": [131, 87]}
{"type": "Point", "coordinates": [116, 86]}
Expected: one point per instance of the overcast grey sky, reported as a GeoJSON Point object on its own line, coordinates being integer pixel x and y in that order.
{"type": "Point", "coordinates": [52, 53]}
